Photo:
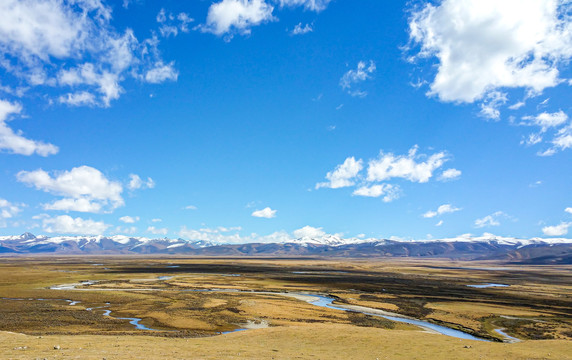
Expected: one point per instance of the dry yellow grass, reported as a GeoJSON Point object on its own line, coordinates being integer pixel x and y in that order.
{"type": "Point", "coordinates": [426, 289]}
{"type": "Point", "coordinates": [317, 341]}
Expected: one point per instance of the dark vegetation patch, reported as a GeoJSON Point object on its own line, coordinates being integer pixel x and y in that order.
{"type": "Point", "coordinates": [363, 320]}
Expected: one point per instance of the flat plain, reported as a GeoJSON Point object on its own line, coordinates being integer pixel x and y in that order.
{"type": "Point", "coordinates": [84, 307]}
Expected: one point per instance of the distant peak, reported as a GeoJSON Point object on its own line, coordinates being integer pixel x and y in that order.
{"type": "Point", "coordinates": [27, 236]}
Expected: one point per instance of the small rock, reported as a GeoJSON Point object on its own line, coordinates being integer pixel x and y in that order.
{"type": "Point", "coordinates": [57, 347]}
{"type": "Point", "coordinates": [467, 346]}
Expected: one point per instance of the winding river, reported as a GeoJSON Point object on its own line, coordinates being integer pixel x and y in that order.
{"type": "Point", "coordinates": [314, 299]}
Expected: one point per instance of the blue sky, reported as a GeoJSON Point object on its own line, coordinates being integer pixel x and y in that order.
{"type": "Point", "coordinates": [258, 120]}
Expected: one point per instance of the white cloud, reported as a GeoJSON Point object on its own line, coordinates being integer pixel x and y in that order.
{"type": "Point", "coordinates": [485, 45]}
{"type": "Point", "coordinates": [80, 98]}
{"type": "Point", "coordinates": [390, 192]}
{"type": "Point", "coordinates": [171, 24]}
{"type": "Point", "coordinates": [231, 236]}
{"type": "Point", "coordinates": [353, 77]}
{"type": "Point", "coordinates": [517, 105]}
{"type": "Point", "coordinates": [568, 210]}
{"type": "Point", "coordinates": [161, 73]}
{"type": "Point", "coordinates": [563, 139]}
{"type": "Point", "coordinates": [413, 167]}
{"type": "Point", "coordinates": [531, 139]}
{"type": "Point", "coordinates": [236, 16]}
{"type": "Point", "coordinates": [14, 142]}
{"type": "Point", "coordinates": [443, 209]}
{"type": "Point", "coordinates": [314, 5]}
{"type": "Point", "coordinates": [129, 219]}
{"type": "Point", "coordinates": [343, 175]}
{"type": "Point", "coordinates": [156, 220]}
{"type": "Point", "coordinates": [490, 220]}
{"type": "Point", "coordinates": [190, 207]}
{"type": "Point", "coordinates": [84, 189]}
{"type": "Point", "coordinates": [450, 174]}
{"type": "Point", "coordinates": [558, 123]}
{"type": "Point", "coordinates": [439, 223]}
{"type": "Point", "coordinates": [50, 42]}
{"type": "Point", "coordinates": [547, 120]}
{"type": "Point", "coordinates": [389, 166]}
{"type": "Point", "coordinates": [301, 30]}
{"type": "Point", "coordinates": [157, 231]}
{"type": "Point", "coordinates": [8, 210]}
{"type": "Point", "coordinates": [309, 231]}
{"type": "Point", "coordinates": [267, 213]}
{"type": "Point", "coordinates": [65, 224]}
{"type": "Point", "coordinates": [491, 104]}
{"type": "Point", "coordinates": [135, 183]}
{"type": "Point", "coordinates": [125, 230]}
{"type": "Point", "coordinates": [557, 230]}
{"type": "Point", "coordinates": [71, 204]}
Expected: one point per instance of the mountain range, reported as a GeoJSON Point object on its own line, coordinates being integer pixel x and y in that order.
{"type": "Point", "coordinates": [486, 247]}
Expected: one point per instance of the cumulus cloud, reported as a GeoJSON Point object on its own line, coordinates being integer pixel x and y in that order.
{"type": "Point", "coordinates": [83, 188]}
{"type": "Point", "coordinates": [129, 219]}
{"type": "Point", "coordinates": [568, 210]}
{"type": "Point", "coordinates": [390, 192]}
{"type": "Point", "coordinates": [450, 174]}
{"type": "Point", "coordinates": [222, 235]}
{"type": "Point", "coordinates": [343, 175]}
{"type": "Point", "coordinates": [439, 223]}
{"type": "Point", "coordinates": [314, 5]}
{"type": "Point", "coordinates": [161, 72]}
{"type": "Point", "coordinates": [15, 142]}
{"type": "Point", "coordinates": [267, 213]}
{"type": "Point", "coordinates": [8, 210]}
{"type": "Point", "coordinates": [157, 231]}
{"type": "Point", "coordinates": [228, 17]}
{"type": "Point", "coordinates": [301, 30]}
{"type": "Point", "coordinates": [353, 77]}
{"type": "Point", "coordinates": [490, 220]}
{"type": "Point", "coordinates": [443, 209]}
{"type": "Point", "coordinates": [65, 224]}
{"type": "Point", "coordinates": [557, 230]}
{"type": "Point", "coordinates": [484, 48]}
{"type": "Point", "coordinates": [72, 46]}
{"type": "Point", "coordinates": [135, 182]}
{"type": "Point", "coordinates": [485, 45]}
{"type": "Point", "coordinates": [412, 167]}
{"type": "Point", "coordinates": [309, 231]}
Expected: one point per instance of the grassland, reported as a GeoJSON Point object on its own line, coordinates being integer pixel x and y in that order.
{"type": "Point", "coordinates": [166, 293]}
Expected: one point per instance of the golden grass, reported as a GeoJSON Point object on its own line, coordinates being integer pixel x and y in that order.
{"type": "Point", "coordinates": [316, 341]}
{"type": "Point", "coordinates": [421, 288]}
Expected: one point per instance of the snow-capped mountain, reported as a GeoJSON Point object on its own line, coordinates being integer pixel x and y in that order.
{"type": "Point", "coordinates": [29, 243]}
{"type": "Point", "coordinates": [487, 246]}
{"type": "Point", "coordinates": [327, 240]}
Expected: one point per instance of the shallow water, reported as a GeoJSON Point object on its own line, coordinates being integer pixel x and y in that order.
{"type": "Point", "coordinates": [324, 301]}
{"type": "Point", "coordinates": [133, 321]}
{"type": "Point", "coordinates": [506, 336]}
{"type": "Point", "coordinates": [483, 286]}
{"type": "Point", "coordinates": [320, 300]}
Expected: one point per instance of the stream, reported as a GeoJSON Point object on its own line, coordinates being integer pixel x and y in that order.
{"type": "Point", "coordinates": [314, 299]}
